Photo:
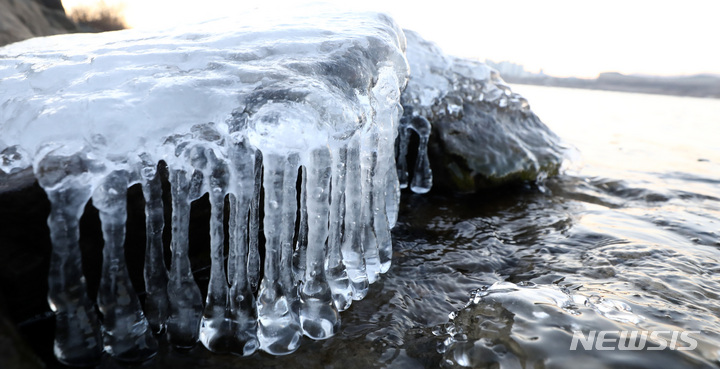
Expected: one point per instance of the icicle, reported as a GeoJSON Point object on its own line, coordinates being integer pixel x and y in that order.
{"type": "Point", "coordinates": [234, 236]}
{"type": "Point", "coordinates": [77, 331]}
{"type": "Point", "coordinates": [386, 103]}
{"type": "Point", "coordinates": [243, 309]}
{"type": "Point", "coordinates": [384, 188]}
{"type": "Point", "coordinates": [216, 328]}
{"type": "Point", "coordinates": [385, 200]}
{"type": "Point", "coordinates": [422, 177]}
{"type": "Point", "coordinates": [127, 335]}
{"type": "Point", "coordinates": [352, 248]}
{"type": "Point", "coordinates": [380, 219]}
{"type": "Point", "coordinates": [254, 227]}
{"type": "Point", "coordinates": [368, 155]}
{"type": "Point", "coordinates": [335, 271]}
{"type": "Point", "coordinates": [402, 143]}
{"type": "Point", "coordinates": [278, 324]}
{"type": "Point", "coordinates": [299, 256]}
{"type": "Point", "coordinates": [289, 218]}
{"type": "Point", "coordinates": [184, 295]}
{"type": "Point", "coordinates": [392, 196]}
{"type": "Point", "coordinates": [155, 272]}
{"type": "Point", "coordinates": [319, 317]}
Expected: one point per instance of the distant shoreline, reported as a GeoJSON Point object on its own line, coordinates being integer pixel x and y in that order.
{"type": "Point", "coordinates": [703, 85]}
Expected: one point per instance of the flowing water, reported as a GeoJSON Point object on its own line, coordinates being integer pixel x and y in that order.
{"type": "Point", "coordinates": [628, 240]}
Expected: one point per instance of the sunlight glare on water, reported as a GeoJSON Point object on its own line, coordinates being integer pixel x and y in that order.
{"type": "Point", "coordinates": [618, 131]}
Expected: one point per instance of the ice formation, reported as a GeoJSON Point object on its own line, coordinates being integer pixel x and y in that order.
{"type": "Point", "coordinates": [235, 108]}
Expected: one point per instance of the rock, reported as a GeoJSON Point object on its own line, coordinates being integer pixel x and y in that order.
{"type": "Point", "coordinates": [23, 19]}
{"type": "Point", "coordinates": [54, 4]}
{"type": "Point", "coordinates": [24, 252]}
{"type": "Point", "coordinates": [14, 352]}
{"type": "Point", "coordinates": [483, 134]}
{"type": "Point", "coordinates": [489, 146]}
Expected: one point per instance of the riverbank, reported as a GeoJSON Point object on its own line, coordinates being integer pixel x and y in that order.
{"type": "Point", "coordinates": [701, 85]}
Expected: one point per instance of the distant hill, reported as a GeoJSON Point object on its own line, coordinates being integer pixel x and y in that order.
{"type": "Point", "coordinates": [700, 85]}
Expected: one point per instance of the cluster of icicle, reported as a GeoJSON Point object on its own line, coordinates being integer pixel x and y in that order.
{"type": "Point", "coordinates": [348, 204]}
{"type": "Point", "coordinates": [315, 95]}
{"type": "Point", "coordinates": [317, 99]}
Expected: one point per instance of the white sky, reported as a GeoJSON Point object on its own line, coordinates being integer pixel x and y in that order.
{"type": "Point", "coordinates": [578, 38]}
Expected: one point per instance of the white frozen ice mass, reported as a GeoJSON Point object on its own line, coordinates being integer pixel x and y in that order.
{"type": "Point", "coordinates": [243, 110]}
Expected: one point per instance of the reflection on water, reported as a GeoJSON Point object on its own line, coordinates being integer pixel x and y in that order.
{"type": "Point", "coordinates": [630, 242]}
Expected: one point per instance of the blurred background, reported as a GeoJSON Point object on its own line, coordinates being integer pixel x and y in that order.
{"type": "Point", "coordinates": [641, 46]}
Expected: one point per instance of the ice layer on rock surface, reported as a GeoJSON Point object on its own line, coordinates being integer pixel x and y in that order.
{"type": "Point", "coordinates": [233, 107]}
{"type": "Point", "coordinates": [483, 132]}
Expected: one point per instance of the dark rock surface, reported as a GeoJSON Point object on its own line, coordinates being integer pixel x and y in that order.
{"type": "Point", "coordinates": [489, 147]}
{"type": "Point", "coordinates": [23, 19]}
{"type": "Point", "coordinates": [14, 351]}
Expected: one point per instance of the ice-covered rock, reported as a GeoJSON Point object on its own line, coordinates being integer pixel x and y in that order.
{"type": "Point", "coordinates": [478, 131]}
{"type": "Point", "coordinates": [292, 122]}
{"type": "Point", "coordinates": [240, 109]}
